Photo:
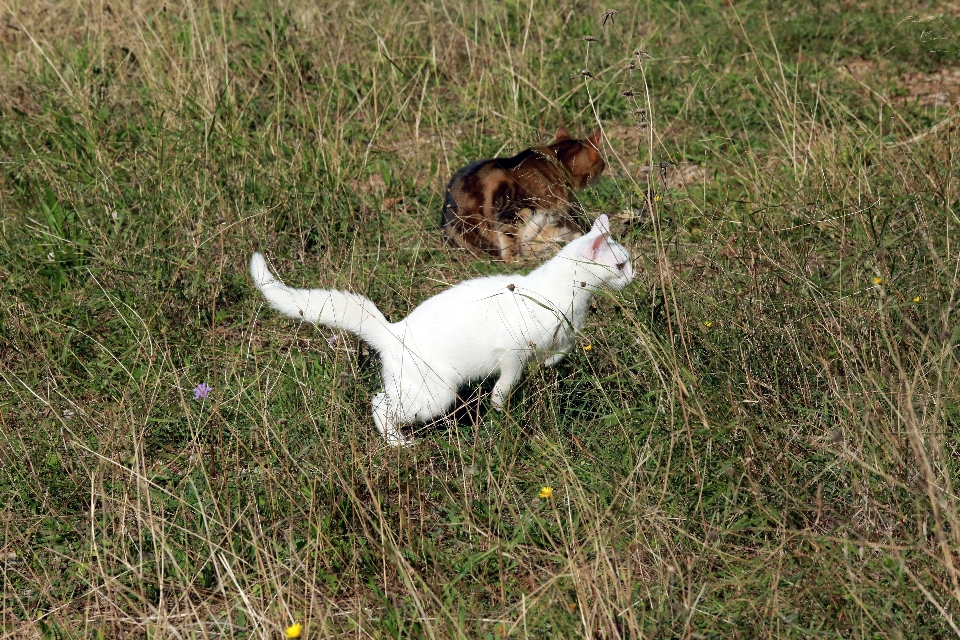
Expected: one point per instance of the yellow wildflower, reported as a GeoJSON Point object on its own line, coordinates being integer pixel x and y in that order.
{"type": "Point", "coordinates": [878, 281]}
{"type": "Point", "coordinates": [294, 630]}
{"type": "Point", "coordinates": [546, 492]}
{"type": "Point", "coordinates": [587, 347]}
{"type": "Point", "coordinates": [708, 324]}
{"type": "Point", "coordinates": [917, 299]}
{"type": "Point", "coordinates": [656, 198]}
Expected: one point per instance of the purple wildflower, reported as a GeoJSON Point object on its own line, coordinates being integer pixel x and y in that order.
{"type": "Point", "coordinates": [332, 340]}
{"type": "Point", "coordinates": [202, 390]}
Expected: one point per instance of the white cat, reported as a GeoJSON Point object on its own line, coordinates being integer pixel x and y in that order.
{"type": "Point", "coordinates": [468, 332]}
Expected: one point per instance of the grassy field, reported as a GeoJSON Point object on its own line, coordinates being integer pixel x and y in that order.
{"type": "Point", "coordinates": [762, 439]}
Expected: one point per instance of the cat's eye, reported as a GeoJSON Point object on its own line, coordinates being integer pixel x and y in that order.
{"type": "Point", "coordinates": [621, 265]}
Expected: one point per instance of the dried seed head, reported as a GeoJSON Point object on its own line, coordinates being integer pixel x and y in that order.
{"type": "Point", "coordinates": [608, 15]}
{"type": "Point", "coordinates": [664, 165]}
{"type": "Point", "coordinates": [511, 287]}
{"type": "Point", "coordinates": [589, 39]}
{"type": "Point", "coordinates": [628, 93]}
{"type": "Point", "coordinates": [631, 66]}
{"type": "Point", "coordinates": [585, 73]}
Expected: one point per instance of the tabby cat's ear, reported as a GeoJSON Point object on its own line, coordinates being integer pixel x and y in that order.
{"type": "Point", "coordinates": [594, 138]}
{"type": "Point", "coordinates": [562, 134]}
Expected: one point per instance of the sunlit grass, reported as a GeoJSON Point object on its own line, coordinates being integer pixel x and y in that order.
{"type": "Point", "coordinates": [759, 438]}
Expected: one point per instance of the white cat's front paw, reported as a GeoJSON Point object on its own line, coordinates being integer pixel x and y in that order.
{"type": "Point", "coordinates": [397, 439]}
{"type": "Point", "coordinates": [554, 360]}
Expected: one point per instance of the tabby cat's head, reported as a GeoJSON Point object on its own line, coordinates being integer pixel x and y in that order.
{"type": "Point", "coordinates": [581, 157]}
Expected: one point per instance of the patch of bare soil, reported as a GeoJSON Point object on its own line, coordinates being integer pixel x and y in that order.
{"type": "Point", "coordinates": [865, 70]}
{"type": "Point", "coordinates": [624, 138]}
{"type": "Point", "coordinates": [677, 177]}
{"type": "Point", "coordinates": [939, 89]}
{"type": "Point", "coordinates": [685, 175]}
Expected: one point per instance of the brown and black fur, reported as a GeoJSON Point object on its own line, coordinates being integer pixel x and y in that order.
{"type": "Point", "coordinates": [488, 202]}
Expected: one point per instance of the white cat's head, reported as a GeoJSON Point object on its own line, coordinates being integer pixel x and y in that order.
{"type": "Point", "coordinates": [602, 257]}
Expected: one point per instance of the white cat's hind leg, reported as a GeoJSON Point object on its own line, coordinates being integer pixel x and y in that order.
{"type": "Point", "coordinates": [511, 369]}
{"type": "Point", "coordinates": [386, 423]}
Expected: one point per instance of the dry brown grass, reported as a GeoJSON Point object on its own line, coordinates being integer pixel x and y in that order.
{"type": "Point", "coordinates": [761, 440]}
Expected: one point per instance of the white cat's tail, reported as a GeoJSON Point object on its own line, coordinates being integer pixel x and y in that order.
{"type": "Point", "coordinates": [339, 309]}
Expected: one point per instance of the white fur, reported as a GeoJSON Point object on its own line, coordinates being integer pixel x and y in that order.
{"type": "Point", "coordinates": [542, 233]}
{"type": "Point", "coordinates": [468, 332]}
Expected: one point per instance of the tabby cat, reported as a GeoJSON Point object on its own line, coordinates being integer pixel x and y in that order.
{"type": "Point", "coordinates": [512, 207]}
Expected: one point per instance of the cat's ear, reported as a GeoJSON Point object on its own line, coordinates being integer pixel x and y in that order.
{"type": "Point", "coordinates": [594, 138]}
{"type": "Point", "coordinates": [598, 234]}
{"type": "Point", "coordinates": [601, 225]}
{"type": "Point", "coordinates": [597, 245]}
{"type": "Point", "coordinates": [562, 134]}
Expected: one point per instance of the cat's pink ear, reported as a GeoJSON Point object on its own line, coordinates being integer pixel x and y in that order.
{"type": "Point", "coordinates": [594, 138]}
{"type": "Point", "coordinates": [562, 134]}
{"type": "Point", "coordinates": [601, 228]}
{"type": "Point", "coordinates": [596, 247]}
{"type": "Point", "coordinates": [601, 225]}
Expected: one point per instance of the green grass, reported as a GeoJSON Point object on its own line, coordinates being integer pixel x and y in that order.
{"type": "Point", "coordinates": [762, 441]}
